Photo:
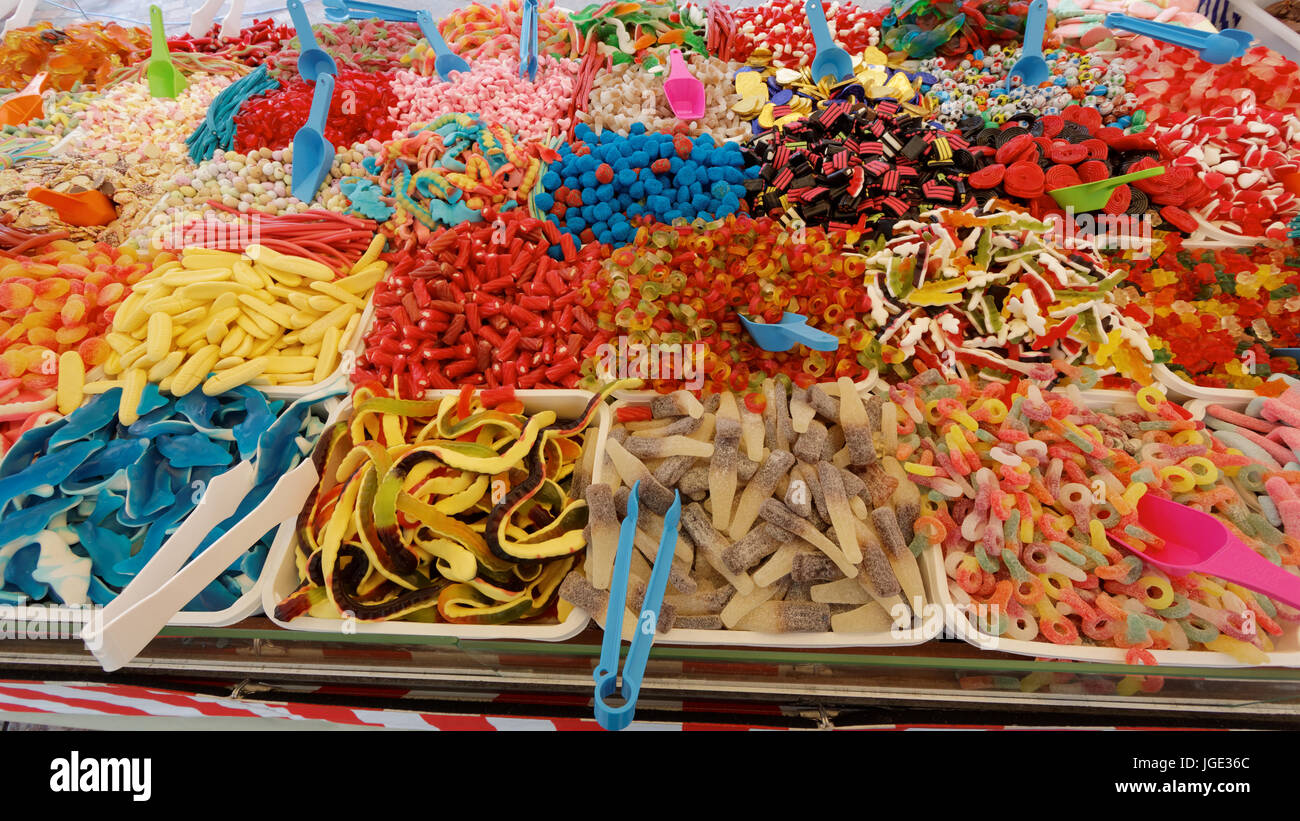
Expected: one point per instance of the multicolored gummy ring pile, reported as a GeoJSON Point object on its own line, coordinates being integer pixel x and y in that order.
{"type": "Point", "coordinates": [833, 303]}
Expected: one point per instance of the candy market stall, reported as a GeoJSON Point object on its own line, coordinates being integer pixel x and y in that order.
{"type": "Point", "coordinates": [835, 358]}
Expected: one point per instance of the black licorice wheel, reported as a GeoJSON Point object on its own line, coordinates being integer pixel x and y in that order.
{"type": "Point", "coordinates": [1138, 204]}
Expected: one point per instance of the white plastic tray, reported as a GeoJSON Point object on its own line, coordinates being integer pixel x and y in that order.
{"type": "Point", "coordinates": [1286, 650]}
{"type": "Point", "coordinates": [751, 638]}
{"type": "Point", "coordinates": [245, 606]}
{"type": "Point", "coordinates": [1268, 30]}
{"type": "Point", "coordinates": [282, 572]}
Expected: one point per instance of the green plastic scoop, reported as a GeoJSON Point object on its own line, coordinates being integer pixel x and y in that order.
{"type": "Point", "coordinates": [164, 79]}
{"type": "Point", "coordinates": [1092, 196]}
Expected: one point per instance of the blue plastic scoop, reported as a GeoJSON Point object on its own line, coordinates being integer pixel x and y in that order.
{"type": "Point", "coordinates": [830, 58]}
{"type": "Point", "coordinates": [313, 155]}
{"type": "Point", "coordinates": [447, 60]}
{"type": "Point", "coordinates": [1212, 48]}
{"type": "Point", "coordinates": [339, 10]}
{"type": "Point", "coordinates": [1031, 68]}
{"type": "Point", "coordinates": [790, 331]}
{"type": "Point", "coordinates": [313, 61]}
{"type": "Point", "coordinates": [643, 636]}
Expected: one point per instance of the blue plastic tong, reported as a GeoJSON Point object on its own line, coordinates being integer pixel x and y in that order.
{"type": "Point", "coordinates": [528, 41]}
{"type": "Point", "coordinates": [606, 673]}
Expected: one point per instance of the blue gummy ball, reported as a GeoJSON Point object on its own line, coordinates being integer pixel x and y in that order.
{"type": "Point", "coordinates": [685, 176]}
{"type": "Point", "coordinates": [701, 201]}
{"type": "Point", "coordinates": [705, 140]}
{"type": "Point", "coordinates": [669, 216]}
{"type": "Point", "coordinates": [666, 148]}
{"type": "Point", "coordinates": [621, 164]}
{"type": "Point", "coordinates": [625, 177]}
{"type": "Point", "coordinates": [574, 224]}
{"type": "Point", "coordinates": [733, 175]}
{"type": "Point", "coordinates": [653, 186]}
{"type": "Point", "coordinates": [657, 204]}
{"type": "Point", "coordinates": [621, 231]}
{"type": "Point", "coordinates": [605, 238]}
{"type": "Point", "coordinates": [637, 129]}
{"type": "Point", "coordinates": [551, 180]}
{"type": "Point", "coordinates": [636, 191]}
{"type": "Point", "coordinates": [587, 162]}
{"type": "Point", "coordinates": [684, 194]}
{"type": "Point", "coordinates": [701, 154]}
{"type": "Point", "coordinates": [544, 202]}
{"type": "Point", "coordinates": [635, 210]}
{"type": "Point", "coordinates": [675, 164]}
{"type": "Point", "coordinates": [695, 188]}
{"type": "Point", "coordinates": [589, 180]}
{"type": "Point", "coordinates": [602, 212]}
{"type": "Point", "coordinates": [611, 153]}
{"type": "Point", "coordinates": [605, 193]}
{"type": "Point", "coordinates": [589, 196]}
{"type": "Point", "coordinates": [572, 182]}
{"type": "Point", "coordinates": [719, 190]}
{"type": "Point", "coordinates": [583, 132]}
{"type": "Point", "coordinates": [715, 174]}
{"type": "Point", "coordinates": [640, 159]}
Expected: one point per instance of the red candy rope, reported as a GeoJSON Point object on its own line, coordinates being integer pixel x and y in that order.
{"type": "Point", "coordinates": [1119, 200]}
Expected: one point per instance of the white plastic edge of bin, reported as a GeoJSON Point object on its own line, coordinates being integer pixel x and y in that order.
{"type": "Point", "coordinates": [1268, 30]}
{"type": "Point", "coordinates": [281, 571]}
{"type": "Point", "coordinates": [1286, 651]}
{"type": "Point", "coordinates": [751, 638]}
{"type": "Point", "coordinates": [1180, 389]}
{"type": "Point", "coordinates": [246, 605]}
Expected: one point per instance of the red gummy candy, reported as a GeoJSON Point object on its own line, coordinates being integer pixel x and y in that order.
{"type": "Point", "coordinates": [1093, 171]}
{"type": "Point", "coordinates": [1015, 148]}
{"type": "Point", "coordinates": [1067, 153]}
{"type": "Point", "coordinates": [1179, 218]}
{"type": "Point", "coordinates": [1119, 200]}
{"type": "Point", "coordinates": [988, 177]}
{"type": "Point", "coordinates": [1052, 124]}
{"type": "Point", "coordinates": [1024, 180]}
{"type": "Point", "coordinates": [604, 174]}
{"type": "Point", "coordinates": [661, 166]}
{"type": "Point", "coordinates": [1061, 176]}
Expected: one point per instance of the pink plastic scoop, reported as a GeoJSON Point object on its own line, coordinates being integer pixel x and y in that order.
{"type": "Point", "coordinates": [684, 92]}
{"type": "Point", "coordinates": [1198, 541]}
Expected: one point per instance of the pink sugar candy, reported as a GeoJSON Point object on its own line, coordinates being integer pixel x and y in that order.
{"type": "Point", "coordinates": [1276, 411]}
{"type": "Point", "coordinates": [494, 91]}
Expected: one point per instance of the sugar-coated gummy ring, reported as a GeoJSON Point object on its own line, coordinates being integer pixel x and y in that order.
{"type": "Point", "coordinates": [1252, 477]}
{"type": "Point", "coordinates": [1203, 469]}
{"type": "Point", "coordinates": [1106, 515]}
{"type": "Point", "coordinates": [1164, 595]}
{"type": "Point", "coordinates": [1150, 397]}
{"type": "Point", "coordinates": [1180, 479]}
{"type": "Point", "coordinates": [1179, 218]}
{"type": "Point", "coordinates": [989, 176]}
{"type": "Point", "coordinates": [1119, 200]}
{"type": "Point", "coordinates": [1024, 179]}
